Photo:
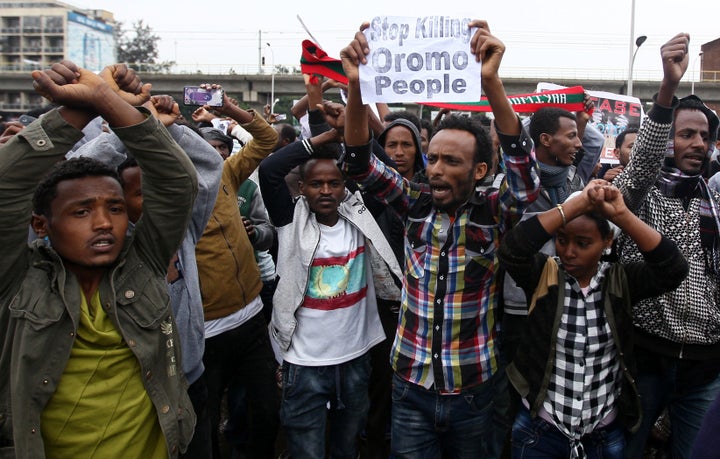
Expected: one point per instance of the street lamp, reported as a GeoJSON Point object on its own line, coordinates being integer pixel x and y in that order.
{"type": "Point", "coordinates": [640, 40]}
{"type": "Point", "coordinates": [692, 85]}
{"type": "Point", "coordinates": [272, 78]}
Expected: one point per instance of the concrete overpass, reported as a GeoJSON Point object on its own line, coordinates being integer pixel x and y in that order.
{"type": "Point", "coordinates": [254, 89]}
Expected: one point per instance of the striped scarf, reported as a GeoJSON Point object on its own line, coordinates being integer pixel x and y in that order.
{"type": "Point", "coordinates": [673, 183]}
{"type": "Point", "coordinates": [553, 179]}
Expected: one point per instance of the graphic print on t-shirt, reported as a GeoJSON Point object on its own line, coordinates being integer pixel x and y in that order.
{"type": "Point", "coordinates": [336, 282]}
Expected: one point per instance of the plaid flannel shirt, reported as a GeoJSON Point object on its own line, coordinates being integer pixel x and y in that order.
{"type": "Point", "coordinates": [448, 329]}
{"type": "Point", "coordinates": [585, 381]}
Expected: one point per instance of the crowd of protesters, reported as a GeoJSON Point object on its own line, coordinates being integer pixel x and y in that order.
{"type": "Point", "coordinates": [378, 286]}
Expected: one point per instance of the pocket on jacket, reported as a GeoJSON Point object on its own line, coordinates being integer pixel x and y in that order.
{"type": "Point", "coordinates": [144, 300]}
{"type": "Point", "coordinates": [479, 254]}
{"type": "Point", "coordinates": [480, 240]}
{"type": "Point", "coordinates": [36, 307]}
{"type": "Point", "coordinates": [415, 260]}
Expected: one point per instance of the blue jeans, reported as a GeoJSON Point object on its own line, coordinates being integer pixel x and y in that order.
{"type": "Point", "coordinates": [304, 412]}
{"type": "Point", "coordinates": [537, 438]}
{"type": "Point", "coordinates": [427, 424]}
{"type": "Point", "coordinates": [680, 386]}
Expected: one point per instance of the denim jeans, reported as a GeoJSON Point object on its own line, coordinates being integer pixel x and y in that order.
{"type": "Point", "coordinates": [679, 385]}
{"type": "Point", "coordinates": [243, 356]}
{"type": "Point", "coordinates": [304, 412]}
{"type": "Point", "coordinates": [537, 438]}
{"type": "Point", "coordinates": [428, 425]}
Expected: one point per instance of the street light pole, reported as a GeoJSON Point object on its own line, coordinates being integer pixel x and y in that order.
{"type": "Point", "coordinates": [692, 85]}
{"type": "Point", "coordinates": [630, 46]}
{"type": "Point", "coordinates": [272, 78]}
{"type": "Point", "coordinates": [638, 43]}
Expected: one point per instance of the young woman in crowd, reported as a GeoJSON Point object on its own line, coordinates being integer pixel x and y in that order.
{"type": "Point", "coordinates": [574, 368]}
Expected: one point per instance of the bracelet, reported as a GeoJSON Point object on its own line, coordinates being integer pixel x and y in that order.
{"type": "Point", "coordinates": [559, 207]}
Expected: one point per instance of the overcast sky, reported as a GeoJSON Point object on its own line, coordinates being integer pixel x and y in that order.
{"type": "Point", "coordinates": [558, 37]}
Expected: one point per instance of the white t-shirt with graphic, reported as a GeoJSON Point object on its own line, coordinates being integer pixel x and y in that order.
{"type": "Point", "coordinates": [338, 320]}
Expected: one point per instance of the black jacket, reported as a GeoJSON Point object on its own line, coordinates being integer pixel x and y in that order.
{"type": "Point", "coordinates": [530, 371]}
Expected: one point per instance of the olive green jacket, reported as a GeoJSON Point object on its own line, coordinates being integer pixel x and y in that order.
{"type": "Point", "coordinates": [40, 299]}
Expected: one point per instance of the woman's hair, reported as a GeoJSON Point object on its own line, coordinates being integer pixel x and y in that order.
{"type": "Point", "coordinates": [606, 232]}
{"type": "Point", "coordinates": [602, 224]}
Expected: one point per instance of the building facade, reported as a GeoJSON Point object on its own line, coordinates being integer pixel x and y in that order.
{"type": "Point", "coordinates": [36, 33]}
{"type": "Point", "coordinates": [710, 61]}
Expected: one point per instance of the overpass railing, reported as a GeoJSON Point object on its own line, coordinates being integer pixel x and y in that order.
{"type": "Point", "coordinates": [509, 72]}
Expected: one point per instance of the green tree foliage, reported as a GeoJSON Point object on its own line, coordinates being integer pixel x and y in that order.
{"type": "Point", "coordinates": [139, 48]}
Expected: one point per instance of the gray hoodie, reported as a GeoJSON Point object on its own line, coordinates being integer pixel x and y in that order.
{"type": "Point", "coordinates": [419, 165]}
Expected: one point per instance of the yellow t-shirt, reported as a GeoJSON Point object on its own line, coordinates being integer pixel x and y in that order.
{"type": "Point", "coordinates": [100, 408]}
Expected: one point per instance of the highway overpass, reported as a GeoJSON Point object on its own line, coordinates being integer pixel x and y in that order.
{"type": "Point", "coordinates": [253, 90]}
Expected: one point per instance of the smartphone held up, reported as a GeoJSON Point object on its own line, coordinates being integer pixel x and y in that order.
{"type": "Point", "coordinates": [195, 95]}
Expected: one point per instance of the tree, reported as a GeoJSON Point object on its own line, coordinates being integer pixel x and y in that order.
{"type": "Point", "coordinates": [140, 51]}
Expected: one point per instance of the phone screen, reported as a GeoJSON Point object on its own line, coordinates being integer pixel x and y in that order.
{"type": "Point", "coordinates": [221, 125]}
{"type": "Point", "coordinates": [195, 95]}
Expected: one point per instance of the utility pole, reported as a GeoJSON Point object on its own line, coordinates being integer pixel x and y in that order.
{"type": "Point", "coordinates": [260, 59]}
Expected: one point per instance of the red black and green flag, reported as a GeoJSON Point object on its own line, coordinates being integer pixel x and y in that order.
{"type": "Point", "coordinates": [315, 61]}
{"type": "Point", "coordinates": [571, 99]}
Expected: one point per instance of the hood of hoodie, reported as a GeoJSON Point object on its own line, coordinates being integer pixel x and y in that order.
{"type": "Point", "coordinates": [713, 125]}
{"type": "Point", "coordinates": [209, 133]}
{"type": "Point", "coordinates": [419, 164]}
{"type": "Point", "coordinates": [713, 121]}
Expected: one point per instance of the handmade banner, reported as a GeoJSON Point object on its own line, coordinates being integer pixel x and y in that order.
{"type": "Point", "coordinates": [613, 114]}
{"type": "Point", "coordinates": [419, 60]}
{"type": "Point", "coordinates": [570, 99]}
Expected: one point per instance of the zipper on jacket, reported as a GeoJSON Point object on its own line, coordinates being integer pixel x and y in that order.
{"type": "Point", "coordinates": [685, 303]}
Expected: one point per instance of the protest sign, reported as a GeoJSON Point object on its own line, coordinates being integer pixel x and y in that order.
{"type": "Point", "coordinates": [419, 60]}
{"type": "Point", "coordinates": [613, 114]}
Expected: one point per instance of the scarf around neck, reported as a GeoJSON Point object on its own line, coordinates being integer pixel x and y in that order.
{"type": "Point", "coordinates": [673, 183]}
{"type": "Point", "coordinates": [554, 180]}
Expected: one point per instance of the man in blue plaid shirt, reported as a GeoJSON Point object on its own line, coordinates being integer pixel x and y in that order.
{"type": "Point", "coordinates": [446, 354]}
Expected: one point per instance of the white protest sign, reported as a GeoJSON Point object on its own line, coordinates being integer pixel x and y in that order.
{"type": "Point", "coordinates": [423, 59]}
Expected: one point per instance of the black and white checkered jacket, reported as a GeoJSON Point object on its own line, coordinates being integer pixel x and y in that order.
{"type": "Point", "coordinates": [533, 371]}
{"type": "Point", "coordinates": [686, 321]}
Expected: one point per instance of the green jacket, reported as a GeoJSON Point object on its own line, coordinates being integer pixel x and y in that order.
{"type": "Point", "coordinates": [41, 299]}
